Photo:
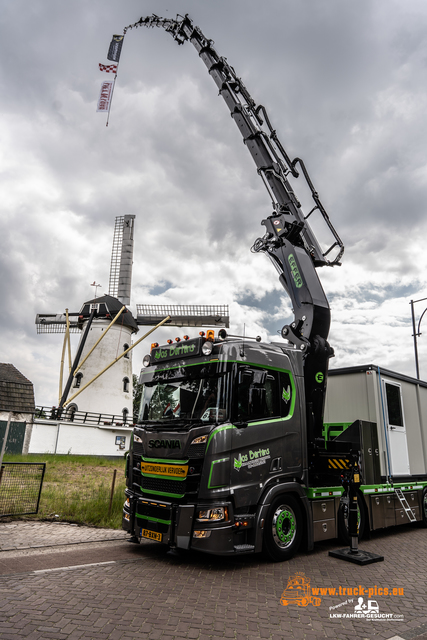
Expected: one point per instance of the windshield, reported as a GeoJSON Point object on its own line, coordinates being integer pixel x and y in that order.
{"type": "Point", "coordinates": [196, 393]}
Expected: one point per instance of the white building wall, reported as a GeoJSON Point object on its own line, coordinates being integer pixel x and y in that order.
{"type": "Point", "coordinates": [79, 439]}
{"type": "Point", "coordinates": [106, 394]}
{"type": "Point", "coordinates": [43, 437]}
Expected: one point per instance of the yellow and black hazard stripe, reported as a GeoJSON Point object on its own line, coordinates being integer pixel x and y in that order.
{"type": "Point", "coordinates": [338, 463]}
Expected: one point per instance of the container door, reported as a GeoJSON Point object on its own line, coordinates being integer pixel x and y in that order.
{"type": "Point", "coordinates": [396, 430]}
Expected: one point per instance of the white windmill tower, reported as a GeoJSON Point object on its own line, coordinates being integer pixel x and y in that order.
{"type": "Point", "coordinates": [106, 328]}
{"type": "Point", "coordinates": [100, 376]}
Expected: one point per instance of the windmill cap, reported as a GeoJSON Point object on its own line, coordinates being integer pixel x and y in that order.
{"type": "Point", "coordinates": [108, 307]}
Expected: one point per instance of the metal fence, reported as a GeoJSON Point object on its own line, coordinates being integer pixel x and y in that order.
{"type": "Point", "coordinates": [70, 415]}
{"type": "Point", "coordinates": [20, 487]}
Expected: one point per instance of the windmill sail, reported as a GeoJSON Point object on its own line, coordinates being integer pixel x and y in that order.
{"type": "Point", "coordinates": [184, 315]}
{"type": "Point", "coordinates": [56, 323]}
{"type": "Point", "coordinates": [122, 259]}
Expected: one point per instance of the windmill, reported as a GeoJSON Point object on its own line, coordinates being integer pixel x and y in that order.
{"type": "Point", "coordinates": [100, 375]}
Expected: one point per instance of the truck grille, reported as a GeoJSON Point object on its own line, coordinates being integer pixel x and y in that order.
{"type": "Point", "coordinates": [197, 450]}
{"type": "Point", "coordinates": [172, 488]}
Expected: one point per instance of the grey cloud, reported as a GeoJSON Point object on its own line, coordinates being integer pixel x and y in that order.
{"type": "Point", "coordinates": [345, 86]}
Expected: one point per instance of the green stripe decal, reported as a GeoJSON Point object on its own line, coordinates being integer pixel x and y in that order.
{"type": "Point", "coordinates": [151, 475]}
{"type": "Point", "coordinates": [168, 522]}
{"type": "Point", "coordinates": [162, 493]}
{"type": "Point", "coordinates": [215, 431]}
{"type": "Point", "coordinates": [164, 461]}
{"type": "Point", "coordinates": [373, 489]}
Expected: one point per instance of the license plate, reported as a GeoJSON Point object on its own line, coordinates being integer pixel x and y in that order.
{"type": "Point", "coordinates": [171, 470]}
{"type": "Point", "coordinates": [151, 535]}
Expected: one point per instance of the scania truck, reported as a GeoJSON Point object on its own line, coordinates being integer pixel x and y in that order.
{"type": "Point", "coordinates": [230, 454]}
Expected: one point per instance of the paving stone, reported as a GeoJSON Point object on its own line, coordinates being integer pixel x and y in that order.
{"type": "Point", "coordinates": [196, 597]}
{"type": "Point", "coordinates": [33, 535]}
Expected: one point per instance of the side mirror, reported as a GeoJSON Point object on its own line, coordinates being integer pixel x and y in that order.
{"type": "Point", "coordinates": [257, 401]}
{"type": "Point", "coordinates": [259, 377]}
{"type": "Point", "coordinates": [245, 376]}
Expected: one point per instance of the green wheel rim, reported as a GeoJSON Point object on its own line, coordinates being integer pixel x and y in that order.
{"type": "Point", "coordinates": [284, 526]}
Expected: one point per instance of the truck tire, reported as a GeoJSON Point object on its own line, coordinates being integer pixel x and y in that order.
{"type": "Point", "coordinates": [282, 529]}
{"type": "Point", "coordinates": [424, 508]}
{"type": "Point", "coordinates": [343, 517]}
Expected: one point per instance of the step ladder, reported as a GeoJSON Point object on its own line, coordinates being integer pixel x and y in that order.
{"type": "Point", "coordinates": [403, 501]}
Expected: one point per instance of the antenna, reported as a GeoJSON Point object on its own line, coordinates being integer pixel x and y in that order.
{"type": "Point", "coordinates": [122, 259]}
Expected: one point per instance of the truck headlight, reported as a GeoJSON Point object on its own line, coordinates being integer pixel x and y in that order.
{"type": "Point", "coordinates": [213, 515]}
{"type": "Point", "coordinates": [200, 439]}
{"type": "Point", "coordinates": [207, 348]}
{"type": "Point", "coordinates": [202, 534]}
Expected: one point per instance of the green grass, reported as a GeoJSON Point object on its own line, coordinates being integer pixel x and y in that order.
{"type": "Point", "coordinates": [78, 488]}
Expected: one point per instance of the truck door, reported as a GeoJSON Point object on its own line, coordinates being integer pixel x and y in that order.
{"type": "Point", "coordinates": [396, 429]}
{"type": "Point", "coordinates": [266, 440]}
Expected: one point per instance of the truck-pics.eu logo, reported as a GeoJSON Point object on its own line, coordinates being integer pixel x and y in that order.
{"type": "Point", "coordinates": [359, 604]}
{"type": "Point", "coordinates": [252, 459]}
{"type": "Point", "coordinates": [298, 591]}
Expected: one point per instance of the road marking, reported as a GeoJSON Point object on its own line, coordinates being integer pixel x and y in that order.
{"type": "Point", "coordinates": [75, 566]}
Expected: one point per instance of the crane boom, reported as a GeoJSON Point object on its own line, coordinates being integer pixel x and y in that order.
{"type": "Point", "coordinates": [288, 240]}
{"type": "Point", "coordinates": [288, 227]}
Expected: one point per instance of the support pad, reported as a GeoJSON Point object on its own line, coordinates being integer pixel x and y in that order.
{"type": "Point", "coordinates": [360, 557]}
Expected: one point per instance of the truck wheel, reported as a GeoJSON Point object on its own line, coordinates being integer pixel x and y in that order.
{"type": "Point", "coordinates": [283, 529]}
{"type": "Point", "coordinates": [343, 512]}
{"type": "Point", "coordinates": [424, 508]}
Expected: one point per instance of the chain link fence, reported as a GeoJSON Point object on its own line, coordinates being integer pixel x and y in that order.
{"type": "Point", "coordinates": [20, 487]}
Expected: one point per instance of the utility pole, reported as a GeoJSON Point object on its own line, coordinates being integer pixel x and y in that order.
{"type": "Point", "coordinates": [417, 333]}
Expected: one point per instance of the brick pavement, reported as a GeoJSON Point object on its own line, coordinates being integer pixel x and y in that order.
{"type": "Point", "coordinates": [158, 596]}
{"type": "Point", "coordinates": [23, 534]}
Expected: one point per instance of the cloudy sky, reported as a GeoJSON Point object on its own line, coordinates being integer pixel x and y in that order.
{"type": "Point", "coordinates": [345, 85]}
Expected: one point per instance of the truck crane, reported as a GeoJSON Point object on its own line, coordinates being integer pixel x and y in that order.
{"type": "Point", "coordinates": [289, 241]}
{"type": "Point", "coordinates": [228, 455]}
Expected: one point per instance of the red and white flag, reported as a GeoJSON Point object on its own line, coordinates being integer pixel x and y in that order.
{"type": "Point", "coordinates": [105, 95]}
{"type": "Point", "coordinates": [109, 68]}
